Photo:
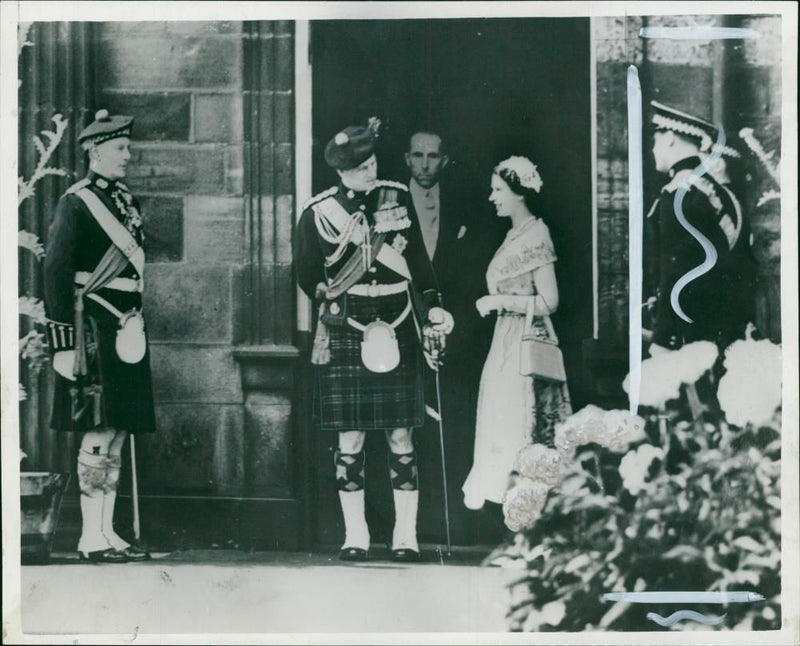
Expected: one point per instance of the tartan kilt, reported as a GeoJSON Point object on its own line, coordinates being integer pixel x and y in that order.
{"type": "Point", "coordinates": [114, 394]}
{"type": "Point", "coordinates": [348, 397]}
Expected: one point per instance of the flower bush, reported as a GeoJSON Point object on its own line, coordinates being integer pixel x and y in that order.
{"type": "Point", "coordinates": [686, 497]}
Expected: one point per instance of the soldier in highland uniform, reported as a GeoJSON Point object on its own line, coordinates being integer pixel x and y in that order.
{"type": "Point", "coordinates": [95, 330]}
{"type": "Point", "coordinates": [360, 256]}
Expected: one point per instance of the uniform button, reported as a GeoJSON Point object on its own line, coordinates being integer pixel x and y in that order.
{"type": "Point", "coordinates": [351, 194]}
{"type": "Point", "coordinates": [372, 270]}
{"type": "Point", "coordinates": [375, 282]}
{"type": "Point", "coordinates": [362, 207]}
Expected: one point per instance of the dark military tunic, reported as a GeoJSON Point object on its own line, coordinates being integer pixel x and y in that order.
{"type": "Point", "coordinates": [347, 396]}
{"type": "Point", "coordinates": [720, 302]}
{"type": "Point", "coordinates": [113, 394]}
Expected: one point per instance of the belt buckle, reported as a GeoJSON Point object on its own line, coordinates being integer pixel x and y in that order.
{"type": "Point", "coordinates": [373, 291]}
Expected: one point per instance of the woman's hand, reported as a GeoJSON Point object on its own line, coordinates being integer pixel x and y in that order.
{"type": "Point", "coordinates": [489, 303]}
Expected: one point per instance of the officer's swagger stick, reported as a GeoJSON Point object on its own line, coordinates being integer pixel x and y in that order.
{"type": "Point", "coordinates": [135, 491]}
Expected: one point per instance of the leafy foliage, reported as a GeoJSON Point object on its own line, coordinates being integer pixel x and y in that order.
{"type": "Point", "coordinates": [694, 506]}
{"type": "Point", "coordinates": [32, 346]}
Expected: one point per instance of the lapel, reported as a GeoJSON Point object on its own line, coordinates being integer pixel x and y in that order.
{"type": "Point", "coordinates": [449, 225]}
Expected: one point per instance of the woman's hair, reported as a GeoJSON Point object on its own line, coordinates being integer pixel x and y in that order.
{"type": "Point", "coordinates": [532, 198]}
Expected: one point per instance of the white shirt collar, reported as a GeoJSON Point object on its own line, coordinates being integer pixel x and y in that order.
{"type": "Point", "coordinates": [419, 191]}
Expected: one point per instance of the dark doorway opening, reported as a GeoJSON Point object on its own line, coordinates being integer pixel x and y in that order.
{"type": "Point", "coordinates": [493, 88]}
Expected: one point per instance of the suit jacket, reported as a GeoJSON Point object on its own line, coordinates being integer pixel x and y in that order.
{"type": "Point", "coordinates": [463, 251]}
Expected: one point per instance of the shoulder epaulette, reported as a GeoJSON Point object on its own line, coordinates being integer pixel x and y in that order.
{"type": "Point", "coordinates": [78, 185]}
{"type": "Point", "coordinates": [681, 179]}
{"type": "Point", "coordinates": [388, 182]}
{"type": "Point", "coordinates": [319, 197]}
{"type": "Point", "coordinates": [687, 179]}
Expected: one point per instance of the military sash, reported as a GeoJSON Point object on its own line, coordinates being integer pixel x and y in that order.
{"type": "Point", "coordinates": [114, 229]}
{"type": "Point", "coordinates": [336, 225]}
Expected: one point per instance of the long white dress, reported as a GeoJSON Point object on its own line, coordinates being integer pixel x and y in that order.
{"type": "Point", "coordinates": [507, 407]}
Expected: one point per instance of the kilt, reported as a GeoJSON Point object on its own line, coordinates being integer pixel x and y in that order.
{"type": "Point", "coordinates": [348, 397]}
{"type": "Point", "coordinates": [116, 394]}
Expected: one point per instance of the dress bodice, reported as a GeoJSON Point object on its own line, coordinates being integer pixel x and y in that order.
{"type": "Point", "coordinates": [525, 248]}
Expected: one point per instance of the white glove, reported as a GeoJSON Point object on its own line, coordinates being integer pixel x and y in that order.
{"type": "Point", "coordinates": [441, 320]}
{"type": "Point", "coordinates": [488, 303]}
{"type": "Point", "coordinates": [63, 363]}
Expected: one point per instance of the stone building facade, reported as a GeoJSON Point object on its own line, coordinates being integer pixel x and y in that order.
{"type": "Point", "coordinates": [214, 164]}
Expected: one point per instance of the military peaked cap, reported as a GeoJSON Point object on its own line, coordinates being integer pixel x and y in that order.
{"type": "Point", "coordinates": [350, 148]}
{"type": "Point", "coordinates": [668, 118]}
{"type": "Point", "coordinates": [105, 127]}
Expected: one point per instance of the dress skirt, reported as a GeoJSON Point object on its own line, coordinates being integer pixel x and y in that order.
{"type": "Point", "coordinates": [513, 412]}
{"type": "Point", "coordinates": [349, 397]}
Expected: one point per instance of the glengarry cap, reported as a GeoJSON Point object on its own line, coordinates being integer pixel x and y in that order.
{"type": "Point", "coordinates": [105, 127]}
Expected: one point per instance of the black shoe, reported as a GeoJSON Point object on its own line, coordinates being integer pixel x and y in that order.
{"type": "Point", "coordinates": [352, 554]}
{"type": "Point", "coordinates": [135, 554]}
{"type": "Point", "coordinates": [104, 556]}
{"type": "Point", "coordinates": [405, 555]}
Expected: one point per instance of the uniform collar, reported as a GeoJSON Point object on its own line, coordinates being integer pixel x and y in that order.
{"type": "Point", "coordinates": [103, 183]}
{"type": "Point", "coordinates": [683, 164]}
{"type": "Point", "coordinates": [351, 195]}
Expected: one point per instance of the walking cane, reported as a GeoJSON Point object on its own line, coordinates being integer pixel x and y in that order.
{"type": "Point", "coordinates": [135, 491]}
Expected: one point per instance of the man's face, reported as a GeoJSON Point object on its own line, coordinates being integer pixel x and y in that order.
{"type": "Point", "coordinates": [110, 158]}
{"type": "Point", "coordinates": [662, 140]}
{"type": "Point", "coordinates": [425, 159]}
{"type": "Point", "coordinates": [361, 178]}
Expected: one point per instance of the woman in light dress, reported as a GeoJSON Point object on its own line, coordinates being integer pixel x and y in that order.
{"type": "Point", "coordinates": [515, 410]}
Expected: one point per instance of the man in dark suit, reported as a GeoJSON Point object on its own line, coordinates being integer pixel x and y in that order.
{"type": "Point", "coordinates": [460, 248]}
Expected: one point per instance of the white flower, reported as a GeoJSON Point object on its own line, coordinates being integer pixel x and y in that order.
{"type": "Point", "coordinates": [523, 503]}
{"type": "Point", "coordinates": [525, 170]}
{"type": "Point", "coordinates": [750, 389]}
{"type": "Point", "coordinates": [634, 467]}
{"type": "Point", "coordinates": [578, 429]}
{"type": "Point", "coordinates": [540, 463]}
{"type": "Point", "coordinates": [620, 429]}
{"type": "Point", "coordinates": [662, 375]}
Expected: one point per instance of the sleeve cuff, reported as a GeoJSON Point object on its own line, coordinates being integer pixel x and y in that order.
{"type": "Point", "coordinates": [60, 336]}
{"type": "Point", "coordinates": [431, 298]}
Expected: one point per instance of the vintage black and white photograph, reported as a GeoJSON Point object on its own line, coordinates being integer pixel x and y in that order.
{"type": "Point", "coordinates": [376, 322]}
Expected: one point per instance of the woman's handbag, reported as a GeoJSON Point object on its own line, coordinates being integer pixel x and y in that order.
{"type": "Point", "coordinates": [541, 358]}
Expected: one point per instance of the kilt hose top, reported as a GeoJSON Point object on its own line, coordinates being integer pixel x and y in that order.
{"type": "Point", "coordinates": [347, 395]}
{"type": "Point", "coordinates": [113, 394]}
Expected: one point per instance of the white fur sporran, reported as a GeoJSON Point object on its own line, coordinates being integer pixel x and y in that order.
{"type": "Point", "coordinates": [131, 343]}
{"type": "Point", "coordinates": [379, 349]}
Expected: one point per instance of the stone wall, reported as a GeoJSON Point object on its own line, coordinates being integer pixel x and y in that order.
{"type": "Point", "coordinates": [213, 166]}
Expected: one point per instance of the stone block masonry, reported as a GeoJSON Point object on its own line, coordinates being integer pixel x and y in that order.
{"type": "Point", "coordinates": [189, 86]}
